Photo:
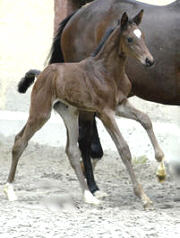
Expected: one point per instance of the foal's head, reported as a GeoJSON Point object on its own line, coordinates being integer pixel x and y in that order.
{"type": "Point", "coordinates": [132, 39]}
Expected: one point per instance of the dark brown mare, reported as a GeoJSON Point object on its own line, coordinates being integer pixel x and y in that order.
{"type": "Point", "coordinates": [97, 84]}
{"type": "Point", "coordinates": [80, 33]}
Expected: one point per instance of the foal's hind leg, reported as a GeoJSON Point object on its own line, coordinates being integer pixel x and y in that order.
{"type": "Point", "coordinates": [69, 115]}
{"type": "Point", "coordinates": [108, 119]}
{"type": "Point", "coordinates": [127, 110]}
{"type": "Point", "coordinates": [8, 189]}
{"type": "Point", "coordinates": [33, 124]}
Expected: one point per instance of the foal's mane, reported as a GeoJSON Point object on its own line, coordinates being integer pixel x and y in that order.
{"type": "Point", "coordinates": [106, 36]}
{"type": "Point", "coordinates": [102, 42]}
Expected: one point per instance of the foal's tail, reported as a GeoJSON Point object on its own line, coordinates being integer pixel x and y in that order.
{"type": "Point", "coordinates": [27, 80]}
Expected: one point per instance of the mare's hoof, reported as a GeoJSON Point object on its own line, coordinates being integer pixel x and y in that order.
{"type": "Point", "coordinates": [100, 194]}
{"type": "Point", "coordinates": [9, 192]}
{"type": "Point", "coordinates": [89, 198]}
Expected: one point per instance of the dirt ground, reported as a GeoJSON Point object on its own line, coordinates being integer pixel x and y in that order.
{"type": "Point", "coordinates": [50, 203]}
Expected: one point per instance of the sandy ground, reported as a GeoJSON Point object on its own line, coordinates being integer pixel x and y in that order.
{"type": "Point", "coordinates": [50, 202]}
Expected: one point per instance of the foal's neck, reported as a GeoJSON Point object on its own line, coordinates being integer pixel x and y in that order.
{"type": "Point", "coordinates": [109, 55]}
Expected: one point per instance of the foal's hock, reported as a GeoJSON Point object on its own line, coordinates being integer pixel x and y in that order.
{"type": "Point", "coordinates": [97, 84]}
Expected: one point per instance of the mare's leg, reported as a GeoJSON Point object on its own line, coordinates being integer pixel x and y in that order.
{"type": "Point", "coordinates": [127, 110]}
{"type": "Point", "coordinates": [96, 151]}
{"type": "Point", "coordinates": [70, 115]}
{"type": "Point", "coordinates": [89, 145]}
{"type": "Point", "coordinates": [108, 119]}
{"type": "Point", "coordinates": [85, 135]}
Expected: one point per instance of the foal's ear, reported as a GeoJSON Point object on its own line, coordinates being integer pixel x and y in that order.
{"type": "Point", "coordinates": [124, 19]}
{"type": "Point", "coordinates": [138, 18]}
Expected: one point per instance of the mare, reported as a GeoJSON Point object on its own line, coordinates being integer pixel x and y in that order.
{"type": "Point", "coordinates": [160, 83]}
{"type": "Point", "coordinates": [97, 84]}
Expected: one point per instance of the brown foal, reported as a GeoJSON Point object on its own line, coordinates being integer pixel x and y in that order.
{"type": "Point", "coordinates": [97, 84]}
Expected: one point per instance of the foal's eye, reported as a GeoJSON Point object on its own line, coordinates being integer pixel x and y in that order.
{"type": "Point", "coordinates": [130, 39]}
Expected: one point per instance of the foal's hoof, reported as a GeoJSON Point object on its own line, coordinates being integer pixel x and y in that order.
{"type": "Point", "coordinates": [89, 198]}
{"type": "Point", "coordinates": [9, 192]}
{"type": "Point", "coordinates": [148, 205]}
{"type": "Point", "coordinates": [100, 194]}
{"type": "Point", "coordinates": [161, 178]}
{"type": "Point", "coordinates": [161, 172]}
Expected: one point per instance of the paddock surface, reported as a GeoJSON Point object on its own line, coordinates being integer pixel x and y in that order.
{"type": "Point", "coordinates": [50, 202]}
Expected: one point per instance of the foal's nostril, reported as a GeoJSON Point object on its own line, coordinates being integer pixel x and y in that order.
{"type": "Point", "coordinates": [149, 62]}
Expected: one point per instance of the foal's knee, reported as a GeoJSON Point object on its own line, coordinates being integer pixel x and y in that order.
{"type": "Point", "coordinates": [15, 150]}
{"type": "Point", "coordinates": [125, 152]}
{"type": "Point", "coordinates": [145, 121]}
{"type": "Point", "coordinates": [17, 137]}
{"type": "Point", "coordinates": [18, 147]}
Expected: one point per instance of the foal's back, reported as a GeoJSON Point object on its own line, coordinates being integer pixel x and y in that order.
{"type": "Point", "coordinates": [78, 84]}
{"type": "Point", "coordinates": [83, 84]}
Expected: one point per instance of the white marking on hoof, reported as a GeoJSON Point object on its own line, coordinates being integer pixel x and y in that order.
{"type": "Point", "coordinates": [9, 191]}
{"type": "Point", "coordinates": [137, 33]}
{"type": "Point", "coordinates": [100, 194]}
{"type": "Point", "coordinates": [89, 198]}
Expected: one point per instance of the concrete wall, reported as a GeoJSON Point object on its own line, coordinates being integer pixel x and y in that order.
{"type": "Point", "coordinates": [26, 29]}
{"type": "Point", "coordinates": [62, 9]}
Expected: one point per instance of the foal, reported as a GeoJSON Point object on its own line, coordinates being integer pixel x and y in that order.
{"type": "Point", "coordinates": [97, 84]}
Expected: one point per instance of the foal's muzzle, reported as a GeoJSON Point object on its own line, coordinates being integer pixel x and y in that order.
{"type": "Point", "coordinates": [149, 62]}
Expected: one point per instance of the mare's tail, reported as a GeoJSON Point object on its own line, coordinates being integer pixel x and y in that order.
{"type": "Point", "coordinates": [27, 80]}
{"type": "Point", "coordinates": [56, 55]}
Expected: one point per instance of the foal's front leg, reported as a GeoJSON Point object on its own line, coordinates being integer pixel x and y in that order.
{"type": "Point", "coordinates": [128, 111]}
{"type": "Point", "coordinates": [108, 119]}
